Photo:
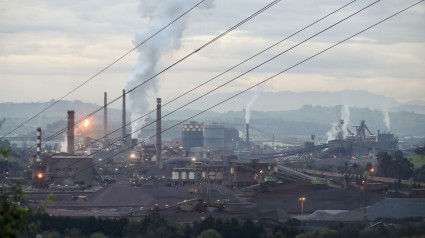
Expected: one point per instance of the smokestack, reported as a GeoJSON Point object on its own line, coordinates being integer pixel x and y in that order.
{"type": "Point", "coordinates": [105, 114]}
{"type": "Point", "coordinates": [71, 132]}
{"type": "Point", "coordinates": [247, 136]}
{"type": "Point", "coordinates": [124, 133]}
{"type": "Point", "coordinates": [158, 131]}
{"type": "Point", "coordinates": [39, 144]}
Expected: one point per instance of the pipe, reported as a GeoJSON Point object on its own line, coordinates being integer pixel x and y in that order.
{"type": "Point", "coordinates": [39, 144]}
{"type": "Point", "coordinates": [247, 136]}
{"type": "Point", "coordinates": [124, 133]}
{"type": "Point", "coordinates": [158, 131]}
{"type": "Point", "coordinates": [105, 114]}
{"type": "Point", "coordinates": [71, 132]}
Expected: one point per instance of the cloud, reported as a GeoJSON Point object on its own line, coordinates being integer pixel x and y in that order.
{"type": "Point", "coordinates": [69, 41]}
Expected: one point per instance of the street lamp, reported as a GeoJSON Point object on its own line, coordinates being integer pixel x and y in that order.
{"type": "Point", "coordinates": [302, 199]}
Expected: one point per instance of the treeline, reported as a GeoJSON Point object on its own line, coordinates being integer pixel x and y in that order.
{"type": "Point", "coordinates": [157, 226]}
{"type": "Point", "coordinates": [397, 166]}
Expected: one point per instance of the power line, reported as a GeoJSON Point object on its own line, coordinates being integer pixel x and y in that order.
{"type": "Point", "coordinates": [269, 78]}
{"type": "Point", "coordinates": [170, 66]}
{"type": "Point", "coordinates": [235, 79]}
{"type": "Point", "coordinates": [227, 81]}
{"type": "Point", "coordinates": [104, 69]}
{"type": "Point", "coordinates": [187, 92]}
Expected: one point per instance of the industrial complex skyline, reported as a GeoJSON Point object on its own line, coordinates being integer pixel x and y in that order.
{"type": "Point", "coordinates": [63, 44]}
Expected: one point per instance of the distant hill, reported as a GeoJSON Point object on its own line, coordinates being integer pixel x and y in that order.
{"type": "Point", "coordinates": [286, 113]}
{"type": "Point", "coordinates": [287, 100]}
{"type": "Point", "coordinates": [59, 110]}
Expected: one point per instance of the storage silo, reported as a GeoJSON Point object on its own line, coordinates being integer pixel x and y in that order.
{"type": "Point", "coordinates": [214, 135]}
{"type": "Point", "coordinates": [192, 135]}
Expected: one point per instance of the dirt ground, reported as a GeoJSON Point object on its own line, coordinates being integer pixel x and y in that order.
{"type": "Point", "coordinates": [318, 197]}
{"type": "Point", "coordinates": [280, 203]}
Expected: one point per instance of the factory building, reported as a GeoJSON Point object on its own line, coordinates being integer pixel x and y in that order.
{"type": "Point", "coordinates": [387, 142]}
{"type": "Point", "coordinates": [231, 137]}
{"type": "Point", "coordinates": [214, 135]}
{"type": "Point", "coordinates": [63, 169]}
{"type": "Point", "coordinates": [198, 173]}
{"type": "Point", "coordinates": [192, 135]}
{"type": "Point", "coordinates": [252, 172]}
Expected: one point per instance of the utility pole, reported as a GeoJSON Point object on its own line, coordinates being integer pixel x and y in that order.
{"type": "Point", "coordinates": [302, 199]}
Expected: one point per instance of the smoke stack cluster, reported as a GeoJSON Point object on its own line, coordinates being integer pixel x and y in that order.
{"type": "Point", "coordinates": [105, 114]}
{"type": "Point", "coordinates": [158, 131]}
{"type": "Point", "coordinates": [71, 132]}
{"type": "Point", "coordinates": [123, 116]}
{"type": "Point", "coordinates": [247, 136]}
{"type": "Point", "coordinates": [38, 144]}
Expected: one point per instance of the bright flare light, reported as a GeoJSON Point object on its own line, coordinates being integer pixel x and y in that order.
{"type": "Point", "coordinates": [86, 123]}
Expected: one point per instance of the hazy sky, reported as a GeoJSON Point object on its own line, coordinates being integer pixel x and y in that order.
{"type": "Point", "coordinates": [49, 47]}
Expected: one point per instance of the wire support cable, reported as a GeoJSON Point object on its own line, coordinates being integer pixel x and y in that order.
{"type": "Point", "coordinates": [265, 80]}
{"type": "Point", "coordinates": [167, 68]}
{"type": "Point", "coordinates": [200, 85]}
{"type": "Point", "coordinates": [246, 72]}
{"type": "Point", "coordinates": [105, 68]}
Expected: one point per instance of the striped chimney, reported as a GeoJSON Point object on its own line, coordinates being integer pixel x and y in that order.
{"type": "Point", "coordinates": [39, 144]}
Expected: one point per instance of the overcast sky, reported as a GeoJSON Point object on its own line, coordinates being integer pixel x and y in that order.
{"type": "Point", "coordinates": [49, 47]}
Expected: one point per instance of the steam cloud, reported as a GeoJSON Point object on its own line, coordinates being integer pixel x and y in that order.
{"type": "Point", "coordinates": [159, 14]}
{"type": "Point", "coordinates": [249, 105]}
{"type": "Point", "coordinates": [386, 116]}
{"type": "Point", "coordinates": [338, 130]}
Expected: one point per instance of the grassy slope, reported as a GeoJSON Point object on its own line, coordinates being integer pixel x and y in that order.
{"type": "Point", "coordinates": [416, 160]}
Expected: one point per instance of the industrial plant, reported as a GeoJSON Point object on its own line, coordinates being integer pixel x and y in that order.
{"type": "Point", "coordinates": [210, 167]}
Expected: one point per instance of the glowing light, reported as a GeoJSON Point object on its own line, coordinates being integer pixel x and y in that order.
{"type": "Point", "coordinates": [40, 175]}
{"type": "Point", "coordinates": [86, 123]}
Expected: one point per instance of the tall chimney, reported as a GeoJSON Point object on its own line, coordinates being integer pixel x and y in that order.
{"type": "Point", "coordinates": [124, 133]}
{"type": "Point", "coordinates": [105, 114]}
{"type": "Point", "coordinates": [71, 132]}
{"type": "Point", "coordinates": [247, 136]}
{"type": "Point", "coordinates": [38, 144]}
{"type": "Point", "coordinates": [158, 131]}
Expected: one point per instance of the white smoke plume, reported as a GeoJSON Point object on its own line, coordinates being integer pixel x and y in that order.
{"type": "Point", "coordinates": [386, 116]}
{"type": "Point", "coordinates": [338, 130]}
{"type": "Point", "coordinates": [345, 115]}
{"type": "Point", "coordinates": [249, 105]}
{"type": "Point", "coordinates": [158, 14]}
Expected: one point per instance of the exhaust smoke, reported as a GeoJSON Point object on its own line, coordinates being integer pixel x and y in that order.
{"type": "Point", "coordinates": [158, 14]}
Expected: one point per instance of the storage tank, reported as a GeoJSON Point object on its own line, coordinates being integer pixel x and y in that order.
{"type": "Point", "coordinates": [175, 175]}
{"type": "Point", "coordinates": [231, 135]}
{"type": "Point", "coordinates": [192, 135]}
{"type": "Point", "coordinates": [214, 135]}
{"type": "Point", "coordinates": [191, 175]}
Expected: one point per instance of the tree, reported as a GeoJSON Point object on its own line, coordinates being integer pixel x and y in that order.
{"type": "Point", "coordinates": [420, 151]}
{"type": "Point", "coordinates": [403, 167]}
{"type": "Point", "coordinates": [13, 221]}
{"type": "Point", "coordinates": [98, 235]}
{"type": "Point", "coordinates": [397, 167]}
{"type": "Point", "coordinates": [420, 173]}
{"type": "Point", "coordinates": [210, 233]}
{"type": "Point", "coordinates": [320, 233]}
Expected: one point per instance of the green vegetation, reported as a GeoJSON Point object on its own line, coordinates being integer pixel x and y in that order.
{"type": "Point", "coordinates": [19, 221]}
{"type": "Point", "coordinates": [157, 226]}
{"type": "Point", "coordinates": [13, 216]}
{"type": "Point", "coordinates": [394, 167]}
{"type": "Point", "coordinates": [417, 160]}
